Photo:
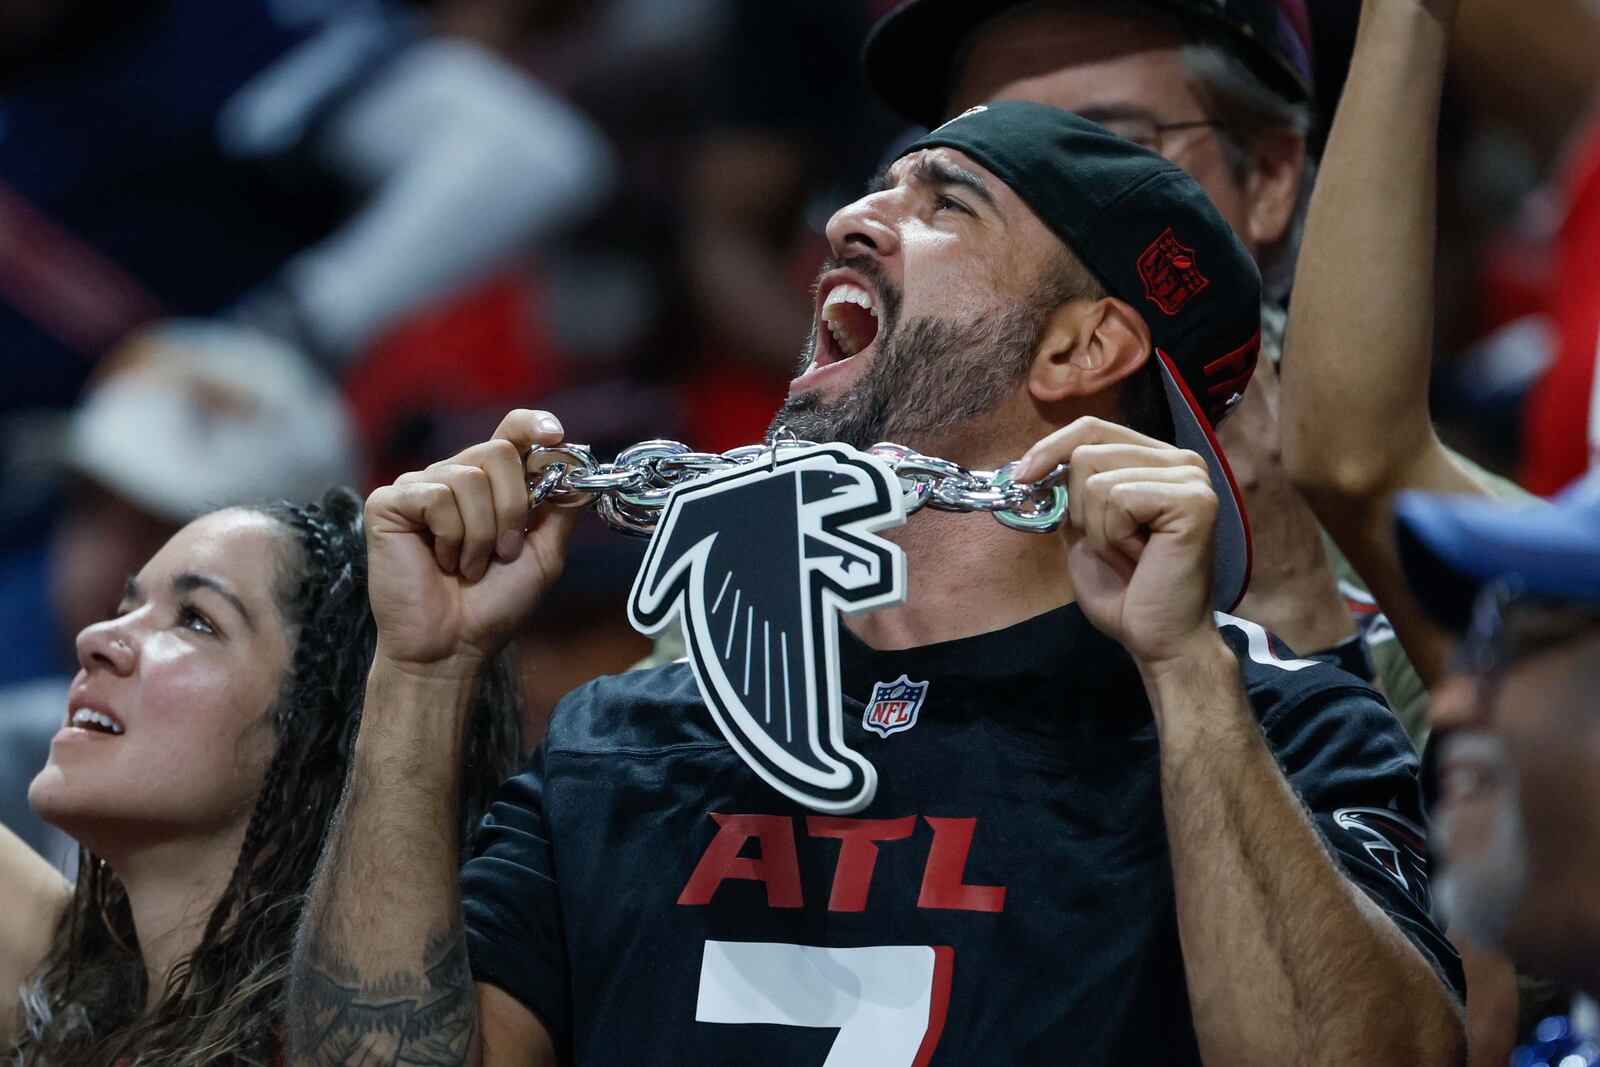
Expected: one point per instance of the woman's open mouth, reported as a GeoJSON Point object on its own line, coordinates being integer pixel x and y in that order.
{"type": "Point", "coordinates": [93, 720]}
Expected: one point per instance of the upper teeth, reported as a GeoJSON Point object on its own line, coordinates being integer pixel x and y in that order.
{"type": "Point", "coordinates": [840, 294]}
{"type": "Point", "coordinates": [853, 293]}
{"type": "Point", "coordinates": [86, 715]}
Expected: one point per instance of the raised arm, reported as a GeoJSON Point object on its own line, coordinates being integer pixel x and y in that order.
{"type": "Point", "coordinates": [1356, 427]}
{"type": "Point", "coordinates": [36, 896]}
{"type": "Point", "coordinates": [380, 971]}
{"type": "Point", "coordinates": [1287, 961]}
{"type": "Point", "coordinates": [463, 163]}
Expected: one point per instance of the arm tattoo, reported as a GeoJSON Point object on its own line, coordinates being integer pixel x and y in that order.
{"type": "Point", "coordinates": [336, 1019]}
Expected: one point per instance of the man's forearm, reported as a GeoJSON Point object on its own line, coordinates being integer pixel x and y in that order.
{"type": "Point", "coordinates": [1361, 325]}
{"type": "Point", "coordinates": [1360, 337]}
{"type": "Point", "coordinates": [380, 969]}
{"type": "Point", "coordinates": [1286, 961]}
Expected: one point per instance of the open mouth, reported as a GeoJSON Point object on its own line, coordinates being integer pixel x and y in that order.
{"type": "Point", "coordinates": [94, 721]}
{"type": "Point", "coordinates": [850, 313]}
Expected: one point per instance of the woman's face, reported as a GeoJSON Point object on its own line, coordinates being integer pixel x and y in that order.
{"type": "Point", "coordinates": [166, 734]}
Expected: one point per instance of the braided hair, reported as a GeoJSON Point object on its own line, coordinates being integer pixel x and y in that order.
{"type": "Point", "coordinates": [221, 1004]}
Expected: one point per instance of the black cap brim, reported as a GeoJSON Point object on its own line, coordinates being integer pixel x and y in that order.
{"type": "Point", "coordinates": [1192, 430]}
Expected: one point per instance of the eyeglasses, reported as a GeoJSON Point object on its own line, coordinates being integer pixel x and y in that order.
{"type": "Point", "coordinates": [1147, 132]}
{"type": "Point", "coordinates": [1508, 628]}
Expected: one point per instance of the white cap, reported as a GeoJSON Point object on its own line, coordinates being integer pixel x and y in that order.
{"type": "Point", "coordinates": [207, 415]}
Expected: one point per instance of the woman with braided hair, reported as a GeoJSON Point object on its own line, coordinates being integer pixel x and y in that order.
{"type": "Point", "coordinates": [205, 748]}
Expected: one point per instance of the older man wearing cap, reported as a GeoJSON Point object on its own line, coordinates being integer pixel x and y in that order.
{"type": "Point", "coordinates": [1517, 765]}
{"type": "Point", "coordinates": [1222, 88]}
{"type": "Point", "coordinates": [1121, 829]}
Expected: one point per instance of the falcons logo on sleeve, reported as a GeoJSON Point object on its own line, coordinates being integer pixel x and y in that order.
{"type": "Point", "coordinates": [757, 562]}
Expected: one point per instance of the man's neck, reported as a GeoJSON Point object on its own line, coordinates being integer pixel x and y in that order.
{"type": "Point", "coordinates": [172, 889]}
{"type": "Point", "coordinates": [966, 574]}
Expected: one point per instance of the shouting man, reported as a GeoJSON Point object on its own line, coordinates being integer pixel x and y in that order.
{"type": "Point", "coordinates": [1118, 829]}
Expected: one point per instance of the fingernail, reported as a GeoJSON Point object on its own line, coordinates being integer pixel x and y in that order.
{"type": "Point", "coordinates": [508, 545]}
{"type": "Point", "coordinates": [549, 424]}
{"type": "Point", "coordinates": [1024, 471]}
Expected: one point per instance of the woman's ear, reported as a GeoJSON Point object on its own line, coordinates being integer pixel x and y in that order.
{"type": "Point", "coordinates": [1086, 347]}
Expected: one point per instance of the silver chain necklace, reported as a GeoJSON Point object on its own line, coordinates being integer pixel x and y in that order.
{"type": "Point", "coordinates": [630, 493]}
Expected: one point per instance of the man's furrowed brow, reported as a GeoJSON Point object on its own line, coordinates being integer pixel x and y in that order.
{"type": "Point", "coordinates": [937, 174]}
{"type": "Point", "coordinates": [941, 174]}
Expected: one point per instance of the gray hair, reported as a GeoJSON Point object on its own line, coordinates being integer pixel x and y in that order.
{"type": "Point", "coordinates": [1245, 110]}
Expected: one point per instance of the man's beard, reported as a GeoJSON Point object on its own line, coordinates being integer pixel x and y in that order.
{"type": "Point", "coordinates": [927, 378]}
{"type": "Point", "coordinates": [1479, 895]}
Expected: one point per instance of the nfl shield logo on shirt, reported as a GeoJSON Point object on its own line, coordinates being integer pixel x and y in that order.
{"type": "Point", "coordinates": [894, 706]}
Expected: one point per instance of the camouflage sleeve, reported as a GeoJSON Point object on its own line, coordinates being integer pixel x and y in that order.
{"type": "Point", "coordinates": [1392, 671]}
{"type": "Point", "coordinates": [669, 648]}
{"type": "Point", "coordinates": [1395, 677]}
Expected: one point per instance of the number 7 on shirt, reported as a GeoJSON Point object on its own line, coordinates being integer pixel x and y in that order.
{"type": "Point", "coordinates": [887, 1001]}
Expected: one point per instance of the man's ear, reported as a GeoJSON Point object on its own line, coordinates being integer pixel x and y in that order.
{"type": "Point", "coordinates": [1277, 166]}
{"type": "Point", "coordinates": [1086, 347]}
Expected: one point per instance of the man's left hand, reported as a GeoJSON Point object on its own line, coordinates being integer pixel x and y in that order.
{"type": "Point", "coordinates": [1142, 524]}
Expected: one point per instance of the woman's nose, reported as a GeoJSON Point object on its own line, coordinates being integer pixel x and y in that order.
{"type": "Point", "coordinates": [109, 646]}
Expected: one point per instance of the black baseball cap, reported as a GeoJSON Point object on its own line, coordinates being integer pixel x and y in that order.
{"type": "Point", "coordinates": [1151, 236]}
{"type": "Point", "coordinates": [910, 56]}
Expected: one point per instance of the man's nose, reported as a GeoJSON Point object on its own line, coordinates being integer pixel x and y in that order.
{"type": "Point", "coordinates": [864, 228]}
{"type": "Point", "coordinates": [1454, 705]}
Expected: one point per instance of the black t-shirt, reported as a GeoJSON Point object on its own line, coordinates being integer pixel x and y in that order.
{"type": "Point", "coordinates": [1006, 899]}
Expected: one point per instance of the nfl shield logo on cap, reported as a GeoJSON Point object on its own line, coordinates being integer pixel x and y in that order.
{"type": "Point", "coordinates": [894, 706]}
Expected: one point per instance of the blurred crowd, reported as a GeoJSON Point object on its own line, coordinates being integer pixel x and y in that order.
{"type": "Point", "coordinates": [326, 241]}
{"type": "Point", "coordinates": [420, 215]}
{"type": "Point", "coordinates": [252, 249]}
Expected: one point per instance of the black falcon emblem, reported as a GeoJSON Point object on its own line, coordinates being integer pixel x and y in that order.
{"type": "Point", "coordinates": [758, 561]}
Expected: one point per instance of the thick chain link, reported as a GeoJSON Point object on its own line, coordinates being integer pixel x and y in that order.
{"type": "Point", "coordinates": [630, 492]}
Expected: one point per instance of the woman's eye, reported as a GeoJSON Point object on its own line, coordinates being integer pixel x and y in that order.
{"type": "Point", "coordinates": [191, 619]}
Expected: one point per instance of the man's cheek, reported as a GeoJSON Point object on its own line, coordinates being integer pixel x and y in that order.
{"type": "Point", "coordinates": [1464, 827]}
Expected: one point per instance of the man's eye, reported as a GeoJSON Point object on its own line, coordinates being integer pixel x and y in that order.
{"type": "Point", "coordinates": [191, 619]}
{"type": "Point", "coordinates": [950, 203]}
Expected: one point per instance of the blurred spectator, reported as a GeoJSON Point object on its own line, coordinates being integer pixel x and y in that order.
{"type": "Point", "coordinates": [1561, 418]}
{"type": "Point", "coordinates": [197, 417]}
{"type": "Point", "coordinates": [317, 167]}
{"type": "Point", "coordinates": [1517, 193]}
{"type": "Point", "coordinates": [792, 135]}
{"type": "Point", "coordinates": [1517, 755]}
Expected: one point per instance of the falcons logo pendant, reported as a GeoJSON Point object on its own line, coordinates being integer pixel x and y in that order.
{"type": "Point", "coordinates": [758, 562]}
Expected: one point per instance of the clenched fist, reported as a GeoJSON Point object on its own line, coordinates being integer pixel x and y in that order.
{"type": "Point", "coordinates": [455, 557]}
{"type": "Point", "coordinates": [1143, 523]}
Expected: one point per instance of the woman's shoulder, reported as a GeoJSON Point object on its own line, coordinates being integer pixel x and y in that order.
{"type": "Point", "coordinates": [37, 896]}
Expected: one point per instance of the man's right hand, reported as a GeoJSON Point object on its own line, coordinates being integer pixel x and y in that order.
{"type": "Point", "coordinates": [456, 559]}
